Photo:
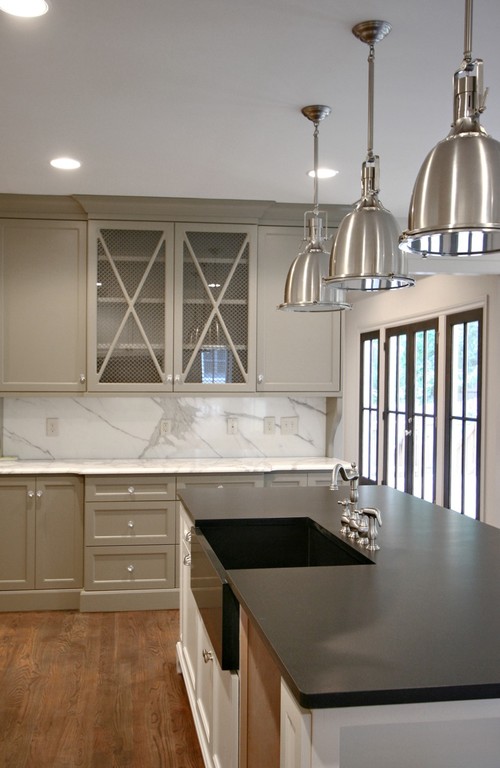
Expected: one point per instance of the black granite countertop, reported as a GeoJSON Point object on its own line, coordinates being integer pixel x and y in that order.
{"type": "Point", "coordinates": [420, 624]}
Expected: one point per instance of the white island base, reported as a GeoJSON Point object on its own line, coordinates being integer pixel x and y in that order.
{"type": "Point", "coordinates": [455, 734]}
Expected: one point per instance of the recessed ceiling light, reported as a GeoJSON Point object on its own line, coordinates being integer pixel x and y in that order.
{"type": "Point", "coordinates": [323, 173]}
{"type": "Point", "coordinates": [65, 163]}
{"type": "Point", "coordinates": [24, 7]}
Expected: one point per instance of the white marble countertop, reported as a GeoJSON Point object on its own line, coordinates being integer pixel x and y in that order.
{"type": "Point", "coordinates": [164, 466]}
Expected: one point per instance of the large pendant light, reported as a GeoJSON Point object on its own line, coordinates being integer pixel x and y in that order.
{"type": "Point", "coordinates": [305, 289]}
{"type": "Point", "coordinates": [455, 206]}
{"type": "Point", "coordinates": [365, 255]}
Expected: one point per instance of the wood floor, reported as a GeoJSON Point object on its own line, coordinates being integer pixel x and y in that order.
{"type": "Point", "coordinates": [93, 690]}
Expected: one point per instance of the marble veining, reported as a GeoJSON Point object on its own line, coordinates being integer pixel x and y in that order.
{"type": "Point", "coordinates": [130, 428]}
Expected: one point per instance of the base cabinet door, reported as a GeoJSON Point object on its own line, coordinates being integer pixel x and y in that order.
{"type": "Point", "coordinates": [59, 533]}
{"type": "Point", "coordinates": [17, 533]}
{"type": "Point", "coordinates": [41, 533]}
{"type": "Point", "coordinates": [295, 733]}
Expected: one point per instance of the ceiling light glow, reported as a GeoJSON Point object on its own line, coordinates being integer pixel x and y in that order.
{"type": "Point", "coordinates": [323, 173]}
{"type": "Point", "coordinates": [26, 8]}
{"type": "Point", "coordinates": [65, 163]}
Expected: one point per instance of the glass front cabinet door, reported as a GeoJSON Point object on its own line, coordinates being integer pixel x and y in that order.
{"type": "Point", "coordinates": [171, 308]}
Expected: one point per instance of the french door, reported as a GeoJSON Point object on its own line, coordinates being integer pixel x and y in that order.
{"type": "Point", "coordinates": [410, 408]}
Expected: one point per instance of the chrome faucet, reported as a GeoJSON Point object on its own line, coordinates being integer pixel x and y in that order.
{"type": "Point", "coordinates": [351, 476]}
{"type": "Point", "coordinates": [350, 515]}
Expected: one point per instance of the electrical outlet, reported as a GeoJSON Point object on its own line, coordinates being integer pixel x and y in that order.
{"type": "Point", "coordinates": [165, 427]}
{"type": "Point", "coordinates": [269, 425]}
{"type": "Point", "coordinates": [232, 426]}
{"type": "Point", "coordinates": [289, 425]}
{"type": "Point", "coordinates": [52, 427]}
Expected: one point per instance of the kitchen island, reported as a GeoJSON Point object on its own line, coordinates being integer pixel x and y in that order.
{"type": "Point", "coordinates": [405, 645]}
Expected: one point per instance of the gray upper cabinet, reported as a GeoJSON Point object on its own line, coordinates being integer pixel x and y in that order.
{"type": "Point", "coordinates": [215, 318]}
{"type": "Point", "coordinates": [130, 306]}
{"type": "Point", "coordinates": [296, 351]}
{"type": "Point", "coordinates": [171, 308]}
{"type": "Point", "coordinates": [42, 305]}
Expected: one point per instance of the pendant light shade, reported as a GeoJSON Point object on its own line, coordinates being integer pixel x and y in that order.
{"type": "Point", "coordinates": [455, 205]}
{"type": "Point", "coordinates": [365, 255]}
{"type": "Point", "coordinates": [305, 289]}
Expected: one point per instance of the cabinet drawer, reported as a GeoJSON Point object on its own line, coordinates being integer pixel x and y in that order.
{"type": "Point", "coordinates": [246, 480]}
{"type": "Point", "coordinates": [132, 487]}
{"type": "Point", "coordinates": [130, 567]}
{"type": "Point", "coordinates": [130, 522]}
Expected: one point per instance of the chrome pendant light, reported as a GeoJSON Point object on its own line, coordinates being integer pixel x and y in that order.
{"type": "Point", "coordinates": [365, 255]}
{"type": "Point", "coordinates": [455, 205]}
{"type": "Point", "coordinates": [305, 290]}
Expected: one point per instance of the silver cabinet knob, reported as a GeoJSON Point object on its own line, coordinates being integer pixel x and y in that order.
{"type": "Point", "coordinates": [177, 379]}
{"type": "Point", "coordinates": [31, 494]}
{"type": "Point", "coordinates": [131, 568]}
{"type": "Point", "coordinates": [188, 536]}
{"type": "Point", "coordinates": [260, 378]}
{"type": "Point", "coordinates": [187, 560]}
{"type": "Point", "coordinates": [130, 524]}
{"type": "Point", "coordinates": [169, 378]}
{"type": "Point", "coordinates": [39, 494]}
{"type": "Point", "coordinates": [83, 378]}
{"type": "Point", "coordinates": [207, 656]}
{"type": "Point", "coordinates": [131, 489]}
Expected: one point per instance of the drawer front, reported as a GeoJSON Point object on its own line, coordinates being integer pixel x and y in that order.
{"type": "Point", "coordinates": [130, 568]}
{"type": "Point", "coordinates": [130, 522]}
{"type": "Point", "coordinates": [132, 487]}
{"type": "Point", "coordinates": [247, 480]}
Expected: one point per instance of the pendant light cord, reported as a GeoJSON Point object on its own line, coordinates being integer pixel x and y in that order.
{"type": "Point", "coordinates": [316, 134]}
{"type": "Point", "coordinates": [468, 32]}
{"type": "Point", "coordinates": [371, 77]}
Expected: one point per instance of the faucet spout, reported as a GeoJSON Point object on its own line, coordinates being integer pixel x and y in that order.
{"type": "Point", "coordinates": [351, 476]}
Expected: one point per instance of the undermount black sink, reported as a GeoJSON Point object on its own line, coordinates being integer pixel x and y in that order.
{"type": "Point", "coordinates": [277, 543]}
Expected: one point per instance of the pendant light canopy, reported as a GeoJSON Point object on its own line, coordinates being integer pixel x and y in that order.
{"type": "Point", "coordinates": [365, 255]}
{"type": "Point", "coordinates": [305, 289]}
{"type": "Point", "coordinates": [455, 206]}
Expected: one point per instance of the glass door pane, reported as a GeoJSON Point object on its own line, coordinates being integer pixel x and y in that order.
{"type": "Point", "coordinates": [463, 405]}
{"type": "Point", "coordinates": [410, 414]}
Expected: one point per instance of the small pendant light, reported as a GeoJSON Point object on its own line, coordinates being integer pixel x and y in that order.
{"type": "Point", "coordinates": [365, 255]}
{"type": "Point", "coordinates": [305, 289]}
{"type": "Point", "coordinates": [455, 206]}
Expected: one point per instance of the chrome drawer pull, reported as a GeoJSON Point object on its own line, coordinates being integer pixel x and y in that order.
{"type": "Point", "coordinates": [187, 560]}
{"type": "Point", "coordinates": [207, 656]}
{"type": "Point", "coordinates": [130, 523]}
{"type": "Point", "coordinates": [130, 568]}
{"type": "Point", "coordinates": [131, 489]}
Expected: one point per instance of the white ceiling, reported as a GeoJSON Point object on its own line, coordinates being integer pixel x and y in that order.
{"type": "Point", "coordinates": [202, 98]}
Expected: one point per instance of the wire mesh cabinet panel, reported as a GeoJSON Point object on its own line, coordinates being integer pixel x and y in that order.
{"type": "Point", "coordinates": [214, 346]}
{"type": "Point", "coordinates": [130, 306]}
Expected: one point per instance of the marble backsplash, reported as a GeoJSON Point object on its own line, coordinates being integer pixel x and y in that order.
{"type": "Point", "coordinates": [160, 427]}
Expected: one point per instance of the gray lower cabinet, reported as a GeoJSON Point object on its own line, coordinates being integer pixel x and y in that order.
{"type": "Point", "coordinates": [297, 478]}
{"type": "Point", "coordinates": [130, 543]}
{"type": "Point", "coordinates": [41, 541]}
{"type": "Point", "coordinates": [247, 480]}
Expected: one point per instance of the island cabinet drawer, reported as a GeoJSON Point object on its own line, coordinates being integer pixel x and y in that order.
{"type": "Point", "coordinates": [130, 522]}
{"type": "Point", "coordinates": [132, 487]}
{"type": "Point", "coordinates": [130, 567]}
